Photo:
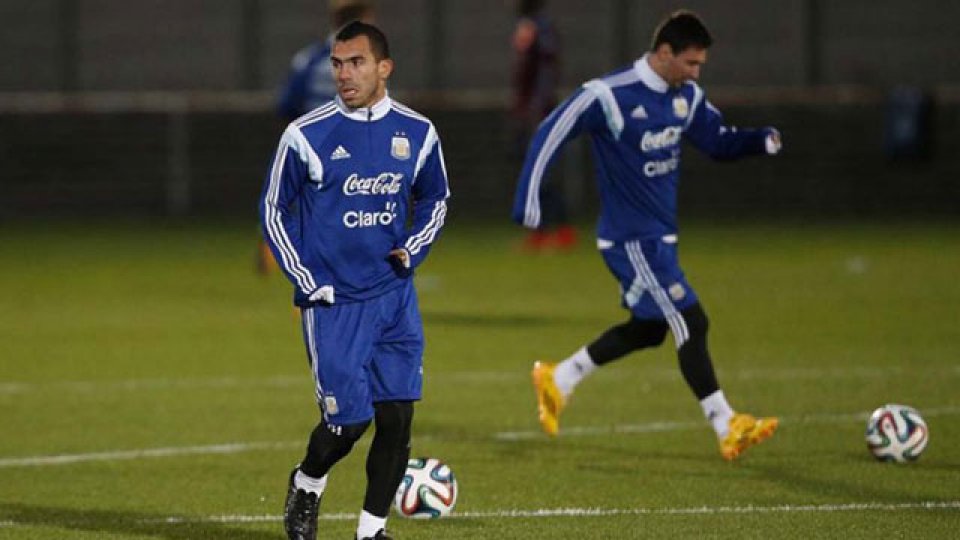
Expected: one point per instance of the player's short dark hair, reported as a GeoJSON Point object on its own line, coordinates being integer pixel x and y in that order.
{"type": "Point", "coordinates": [681, 30]}
{"type": "Point", "coordinates": [378, 41]}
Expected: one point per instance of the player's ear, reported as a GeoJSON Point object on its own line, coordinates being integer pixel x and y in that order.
{"type": "Point", "coordinates": [663, 52]}
{"type": "Point", "coordinates": [384, 68]}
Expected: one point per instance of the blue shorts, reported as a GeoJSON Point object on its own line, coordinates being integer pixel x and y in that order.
{"type": "Point", "coordinates": [365, 352]}
{"type": "Point", "coordinates": [652, 285]}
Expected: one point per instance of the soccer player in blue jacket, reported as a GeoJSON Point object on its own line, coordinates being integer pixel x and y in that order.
{"type": "Point", "coordinates": [309, 84]}
{"type": "Point", "coordinates": [346, 180]}
{"type": "Point", "coordinates": [636, 118]}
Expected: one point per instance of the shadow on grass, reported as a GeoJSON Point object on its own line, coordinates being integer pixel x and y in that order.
{"type": "Point", "coordinates": [849, 487]}
{"type": "Point", "coordinates": [132, 523]}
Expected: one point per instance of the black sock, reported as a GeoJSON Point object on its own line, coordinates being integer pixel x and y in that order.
{"type": "Point", "coordinates": [695, 363]}
{"type": "Point", "coordinates": [625, 338]}
{"type": "Point", "coordinates": [388, 455]}
{"type": "Point", "coordinates": [329, 444]}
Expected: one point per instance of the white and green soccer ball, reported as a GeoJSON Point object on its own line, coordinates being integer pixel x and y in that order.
{"type": "Point", "coordinates": [428, 490]}
{"type": "Point", "coordinates": [896, 433]}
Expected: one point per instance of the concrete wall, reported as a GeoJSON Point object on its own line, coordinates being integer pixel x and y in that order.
{"type": "Point", "coordinates": [247, 44]}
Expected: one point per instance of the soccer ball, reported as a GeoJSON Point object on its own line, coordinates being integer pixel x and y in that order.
{"type": "Point", "coordinates": [896, 433]}
{"type": "Point", "coordinates": [428, 490]}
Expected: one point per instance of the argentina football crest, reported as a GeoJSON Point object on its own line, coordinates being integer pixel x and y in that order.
{"type": "Point", "coordinates": [680, 107]}
{"type": "Point", "coordinates": [400, 147]}
{"type": "Point", "coordinates": [330, 405]}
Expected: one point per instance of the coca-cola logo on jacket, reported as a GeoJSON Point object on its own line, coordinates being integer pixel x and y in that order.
{"type": "Point", "coordinates": [382, 184]}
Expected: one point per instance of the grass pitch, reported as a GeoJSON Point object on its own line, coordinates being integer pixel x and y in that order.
{"type": "Point", "coordinates": [152, 386]}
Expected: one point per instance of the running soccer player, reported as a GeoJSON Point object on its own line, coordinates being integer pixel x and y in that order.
{"type": "Point", "coordinates": [636, 118]}
{"type": "Point", "coordinates": [334, 210]}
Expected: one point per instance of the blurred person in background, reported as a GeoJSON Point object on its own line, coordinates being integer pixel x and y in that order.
{"type": "Point", "coordinates": [310, 81]}
{"type": "Point", "coordinates": [636, 118]}
{"type": "Point", "coordinates": [354, 200]}
{"type": "Point", "coordinates": [310, 84]}
{"type": "Point", "coordinates": [536, 74]}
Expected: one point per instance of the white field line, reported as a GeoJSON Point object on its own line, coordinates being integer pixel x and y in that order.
{"type": "Point", "coordinates": [604, 512]}
{"type": "Point", "coordinates": [123, 455]}
{"type": "Point", "coordinates": [592, 512]}
{"type": "Point", "coordinates": [137, 385]}
{"type": "Point", "coordinates": [582, 431]}
{"type": "Point", "coordinates": [474, 377]}
{"type": "Point", "coordinates": [287, 381]}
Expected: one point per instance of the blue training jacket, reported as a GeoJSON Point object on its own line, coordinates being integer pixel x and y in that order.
{"type": "Point", "coordinates": [635, 122]}
{"type": "Point", "coordinates": [340, 191]}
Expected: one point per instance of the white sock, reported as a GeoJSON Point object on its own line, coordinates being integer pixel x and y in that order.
{"type": "Point", "coordinates": [718, 412]}
{"type": "Point", "coordinates": [309, 483]}
{"type": "Point", "coordinates": [571, 371]}
{"type": "Point", "coordinates": [370, 524]}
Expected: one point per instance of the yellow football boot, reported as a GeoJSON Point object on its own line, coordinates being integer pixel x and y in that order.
{"type": "Point", "coordinates": [746, 431]}
{"type": "Point", "coordinates": [549, 400]}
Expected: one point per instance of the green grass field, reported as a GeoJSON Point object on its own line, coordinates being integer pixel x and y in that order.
{"type": "Point", "coordinates": [151, 386]}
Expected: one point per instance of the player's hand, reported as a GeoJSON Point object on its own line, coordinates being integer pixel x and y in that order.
{"type": "Point", "coordinates": [402, 256]}
{"type": "Point", "coordinates": [323, 294]}
{"type": "Point", "coordinates": [773, 142]}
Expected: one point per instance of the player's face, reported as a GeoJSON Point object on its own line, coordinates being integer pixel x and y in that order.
{"type": "Point", "coordinates": [682, 67]}
{"type": "Point", "coordinates": [361, 78]}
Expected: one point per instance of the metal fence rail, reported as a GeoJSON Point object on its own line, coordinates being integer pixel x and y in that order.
{"type": "Point", "coordinates": [190, 153]}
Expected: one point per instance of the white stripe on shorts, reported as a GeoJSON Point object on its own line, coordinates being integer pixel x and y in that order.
{"type": "Point", "coordinates": [309, 319]}
{"type": "Point", "coordinates": [678, 326]}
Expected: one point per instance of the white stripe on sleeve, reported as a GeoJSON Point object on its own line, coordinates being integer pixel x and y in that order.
{"type": "Point", "coordinates": [611, 109]}
{"type": "Point", "coordinates": [296, 140]}
{"type": "Point", "coordinates": [274, 224]}
{"type": "Point", "coordinates": [697, 98]}
{"type": "Point", "coordinates": [416, 242]}
{"type": "Point", "coordinates": [556, 135]}
{"type": "Point", "coordinates": [428, 143]}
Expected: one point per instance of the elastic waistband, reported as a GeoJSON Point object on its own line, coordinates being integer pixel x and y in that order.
{"type": "Point", "coordinates": [603, 243]}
